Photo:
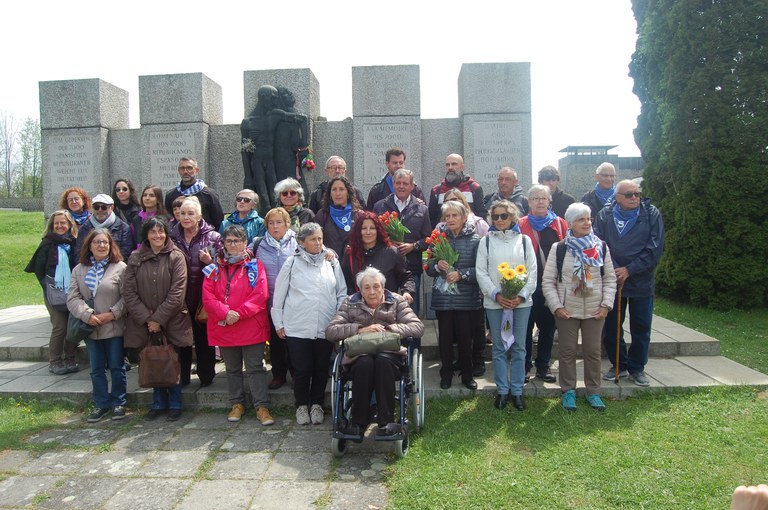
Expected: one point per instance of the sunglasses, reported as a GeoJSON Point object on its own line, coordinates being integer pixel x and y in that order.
{"type": "Point", "coordinates": [502, 216]}
{"type": "Point", "coordinates": [118, 190]}
{"type": "Point", "coordinates": [634, 194]}
{"type": "Point", "coordinates": [290, 192]}
{"type": "Point", "coordinates": [100, 207]}
{"type": "Point", "coordinates": [245, 200]}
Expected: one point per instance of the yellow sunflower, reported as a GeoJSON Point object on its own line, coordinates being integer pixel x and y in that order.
{"type": "Point", "coordinates": [502, 267]}
{"type": "Point", "coordinates": [520, 269]}
{"type": "Point", "coordinates": [508, 274]}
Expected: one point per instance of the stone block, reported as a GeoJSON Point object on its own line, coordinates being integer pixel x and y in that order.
{"type": "Point", "coordinates": [331, 139]}
{"type": "Point", "coordinates": [179, 98]}
{"type": "Point", "coordinates": [225, 173]}
{"type": "Point", "coordinates": [724, 371]}
{"type": "Point", "coordinates": [495, 88]}
{"type": "Point", "coordinates": [82, 103]}
{"type": "Point", "coordinates": [163, 146]}
{"type": "Point", "coordinates": [301, 82]}
{"type": "Point", "coordinates": [373, 136]}
{"type": "Point", "coordinates": [127, 158]}
{"type": "Point", "coordinates": [439, 137]}
{"type": "Point", "coordinates": [385, 91]}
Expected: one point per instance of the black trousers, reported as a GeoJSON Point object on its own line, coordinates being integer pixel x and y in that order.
{"type": "Point", "coordinates": [310, 358]}
{"type": "Point", "coordinates": [278, 354]}
{"type": "Point", "coordinates": [543, 318]}
{"type": "Point", "coordinates": [371, 374]}
{"type": "Point", "coordinates": [205, 354]}
{"type": "Point", "coordinates": [455, 326]}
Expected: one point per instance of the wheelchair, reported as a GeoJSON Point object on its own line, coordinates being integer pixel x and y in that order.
{"type": "Point", "coordinates": [409, 397]}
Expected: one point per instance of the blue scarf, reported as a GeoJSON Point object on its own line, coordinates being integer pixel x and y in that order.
{"type": "Point", "coordinates": [625, 220]}
{"type": "Point", "coordinates": [196, 188]}
{"type": "Point", "coordinates": [253, 272]}
{"type": "Point", "coordinates": [95, 274]}
{"type": "Point", "coordinates": [342, 217]}
{"type": "Point", "coordinates": [63, 272]}
{"type": "Point", "coordinates": [513, 228]}
{"type": "Point", "coordinates": [81, 217]}
{"type": "Point", "coordinates": [388, 180]}
{"type": "Point", "coordinates": [605, 195]}
{"type": "Point", "coordinates": [539, 224]}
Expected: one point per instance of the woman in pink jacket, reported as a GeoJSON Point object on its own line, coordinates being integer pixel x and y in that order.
{"type": "Point", "coordinates": [235, 296]}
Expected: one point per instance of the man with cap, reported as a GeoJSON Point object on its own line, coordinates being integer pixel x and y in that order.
{"type": "Point", "coordinates": [189, 186]}
{"type": "Point", "coordinates": [455, 178]}
{"type": "Point", "coordinates": [103, 216]}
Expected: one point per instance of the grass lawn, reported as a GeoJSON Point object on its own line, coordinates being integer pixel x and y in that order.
{"type": "Point", "coordinates": [20, 418]}
{"type": "Point", "coordinates": [20, 234]}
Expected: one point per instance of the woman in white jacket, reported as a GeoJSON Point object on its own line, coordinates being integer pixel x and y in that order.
{"type": "Point", "coordinates": [504, 243]}
{"type": "Point", "coordinates": [308, 291]}
{"type": "Point", "coordinates": [580, 297]}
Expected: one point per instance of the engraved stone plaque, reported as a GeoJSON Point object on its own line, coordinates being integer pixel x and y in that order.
{"type": "Point", "coordinates": [377, 139]}
{"type": "Point", "coordinates": [72, 160]}
{"type": "Point", "coordinates": [165, 149]}
{"type": "Point", "coordinates": [497, 143]}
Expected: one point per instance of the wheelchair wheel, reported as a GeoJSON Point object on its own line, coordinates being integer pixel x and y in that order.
{"type": "Point", "coordinates": [338, 447]}
{"type": "Point", "coordinates": [417, 395]}
{"type": "Point", "coordinates": [334, 379]}
{"type": "Point", "coordinates": [401, 446]}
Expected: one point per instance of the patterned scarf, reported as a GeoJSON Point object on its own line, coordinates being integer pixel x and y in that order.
{"type": "Point", "coordinates": [625, 220]}
{"type": "Point", "coordinates": [342, 217]}
{"type": "Point", "coordinates": [587, 251]}
{"type": "Point", "coordinates": [95, 274]}
{"type": "Point", "coordinates": [80, 217]}
{"type": "Point", "coordinates": [605, 195]}
{"type": "Point", "coordinates": [106, 223]}
{"type": "Point", "coordinates": [539, 224]}
{"type": "Point", "coordinates": [196, 188]}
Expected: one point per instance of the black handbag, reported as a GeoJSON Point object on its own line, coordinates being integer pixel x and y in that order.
{"type": "Point", "coordinates": [78, 330]}
{"type": "Point", "coordinates": [55, 297]}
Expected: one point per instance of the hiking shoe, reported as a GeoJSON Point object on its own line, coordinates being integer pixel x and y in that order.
{"type": "Point", "coordinates": [316, 414]}
{"type": "Point", "coordinates": [262, 413]}
{"type": "Point", "coordinates": [237, 412]}
{"type": "Point", "coordinates": [153, 414]}
{"type": "Point", "coordinates": [569, 401]}
{"type": "Point", "coordinates": [173, 415]}
{"type": "Point", "coordinates": [545, 374]}
{"type": "Point", "coordinates": [610, 374]}
{"type": "Point", "coordinates": [97, 414]}
{"type": "Point", "coordinates": [640, 379]}
{"type": "Point", "coordinates": [118, 413]}
{"type": "Point", "coordinates": [58, 368]}
{"type": "Point", "coordinates": [596, 402]}
{"type": "Point", "coordinates": [302, 415]}
{"type": "Point", "coordinates": [71, 366]}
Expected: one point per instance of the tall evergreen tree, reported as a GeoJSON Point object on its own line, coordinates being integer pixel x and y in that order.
{"type": "Point", "coordinates": [701, 76]}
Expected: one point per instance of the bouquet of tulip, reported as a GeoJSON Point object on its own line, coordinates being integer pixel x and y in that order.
{"type": "Point", "coordinates": [511, 282]}
{"type": "Point", "coordinates": [394, 227]}
{"type": "Point", "coordinates": [441, 249]}
{"type": "Point", "coordinates": [309, 161]}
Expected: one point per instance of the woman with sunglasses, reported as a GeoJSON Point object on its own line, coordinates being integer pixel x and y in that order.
{"type": "Point", "coordinates": [290, 196]}
{"type": "Point", "coordinates": [505, 243]}
{"type": "Point", "coordinates": [127, 205]}
{"type": "Point", "coordinates": [246, 215]}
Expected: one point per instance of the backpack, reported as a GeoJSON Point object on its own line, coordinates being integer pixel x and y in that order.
{"type": "Point", "coordinates": [560, 256]}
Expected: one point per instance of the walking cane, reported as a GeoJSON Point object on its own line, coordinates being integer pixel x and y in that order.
{"type": "Point", "coordinates": [618, 334]}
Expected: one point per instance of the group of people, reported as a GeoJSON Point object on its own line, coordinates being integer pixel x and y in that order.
{"type": "Point", "coordinates": [177, 267]}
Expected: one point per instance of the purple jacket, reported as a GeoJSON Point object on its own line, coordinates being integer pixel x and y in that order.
{"type": "Point", "coordinates": [206, 237]}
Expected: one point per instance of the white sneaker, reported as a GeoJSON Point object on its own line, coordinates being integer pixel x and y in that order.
{"type": "Point", "coordinates": [317, 414]}
{"type": "Point", "coordinates": [302, 415]}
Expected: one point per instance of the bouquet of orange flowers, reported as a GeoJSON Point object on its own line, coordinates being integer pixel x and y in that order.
{"type": "Point", "coordinates": [440, 249]}
{"type": "Point", "coordinates": [512, 279]}
{"type": "Point", "coordinates": [394, 227]}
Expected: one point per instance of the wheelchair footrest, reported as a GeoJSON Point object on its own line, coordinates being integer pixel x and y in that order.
{"type": "Point", "coordinates": [351, 437]}
{"type": "Point", "coordinates": [394, 437]}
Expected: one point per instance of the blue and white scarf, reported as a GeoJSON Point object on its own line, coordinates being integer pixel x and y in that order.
{"type": "Point", "coordinates": [587, 251]}
{"type": "Point", "coordinates": [63, 272]}
{"type": "Point", "coordinates": [342, 217]}
{"type": "Point", "coordinates": [95, 274]}
{"type": "Point", "coordinates": [539, 224]}
{"type": "Point", "coordinates": [80, 217]}
{"type": "Point", "coordinates": [624, 220]}
{"type": "Point", "coordinates": [604, 195]}
{"type": "Point", "coordinates": [196, 188]}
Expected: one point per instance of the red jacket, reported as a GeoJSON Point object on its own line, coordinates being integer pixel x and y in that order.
{"type": "Point", "coordinates": [249, 302]}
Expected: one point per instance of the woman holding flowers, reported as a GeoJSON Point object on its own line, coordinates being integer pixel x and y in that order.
{"type": "Point", "coordinates": [505, 259]}
{"type": "Point", "coordinates": [456, 297]}
{"type": "Point", "coordinates": [370, 246]}
{"type": "Point", "coordinates": [580, 297]}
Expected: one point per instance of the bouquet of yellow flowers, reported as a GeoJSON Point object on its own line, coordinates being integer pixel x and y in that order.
{"type": "Point", "coordinates": [394, 227]}
{"type": "Point", "coordinates": [512, 279]}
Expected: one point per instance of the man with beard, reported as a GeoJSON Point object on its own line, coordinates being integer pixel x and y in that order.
{"type": "Point", "coordinates": [455, 178]}
{"type": "Point", "coordinates": [189, 186]}
{"type": "Point", "coordinates": [509, 189]}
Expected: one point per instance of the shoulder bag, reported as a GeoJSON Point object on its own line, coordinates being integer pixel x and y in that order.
{"type": "Point", "coordinates": [372, 343]}
{"type": "Point", "coordinates": [158, 364]}
{"type": "Point", "coordinates": [56, 297]}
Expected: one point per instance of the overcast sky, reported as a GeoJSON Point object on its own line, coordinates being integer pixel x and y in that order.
{"type": "Point", "coordinates": [579, 53]}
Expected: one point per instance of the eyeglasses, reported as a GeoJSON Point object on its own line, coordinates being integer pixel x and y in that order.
{"type": "Point", "coordinates": [74, 199]}
{"type": "Point", "coordinates": [233, 242]}
{"type": "Point", "coordinates": [633, 194]}
{"type": "Point", "coordinates": [612, 176]}
{"type": "Point", "coordinates": [100, 242]}
{"type": "Point", "coordinates": [502, 216]}
{"type": "Point", "coordinates": [289, 192]}
{"type": "Point", "coordinates": [538, 199]}
{"type": "Point", "coordinates": [336, 167]}
{"type": "Point", "coordinates": [118, 190]}
{"type": "Point", "coordinates": [186, 167]}
{"type": "Point", "coordinates": [101, 207]}
{"type": "Point", "coordinates": [245, 200]}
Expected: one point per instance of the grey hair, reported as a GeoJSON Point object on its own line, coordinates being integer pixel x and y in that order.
{"type": "Point", "coordinates": [328, 161]}
{"type": "Point", "coordinates": [509, 169]}
{"type": "Point", "coordinates": [403, 172]}
{"type": "Point", "coordinates": [455, 206]}
{"type": "Point", "coordinates": [603, 166]}
{"type": "Point", "coordinates": [370, 272]}
{"type": "Point", "coordinates": [540, 188]}
{"type": "Point", "coordinates": [287, 184]}
{"type": "Point", "coordinates": [508, 206]}
{"type": "Point", "coordinates": [308, 229]}
{"type": "Point", "coordinates": [251, 194]}
{"type": "Point", "coordinates": [577, 210]}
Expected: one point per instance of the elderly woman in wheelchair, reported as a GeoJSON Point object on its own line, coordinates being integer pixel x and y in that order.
{"type": "Point", "coordinates": [373, 310]}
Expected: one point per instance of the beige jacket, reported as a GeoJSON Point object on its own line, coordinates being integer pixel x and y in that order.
{"type": "Point", "coordinates": [560, 294]}
{"type": "Point", "coordinates": [108, 299]}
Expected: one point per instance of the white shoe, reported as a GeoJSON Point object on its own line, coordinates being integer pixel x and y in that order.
{"type": "Point", "coordinates": [302, 415]}
{"type": "Point", "coordinates": [317, 414]}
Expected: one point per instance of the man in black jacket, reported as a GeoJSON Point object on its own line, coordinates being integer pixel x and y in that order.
{"type": "Point", "coordinates": [189, 186]}
{"type": "Point", "coordinates": [509, 189]}
{"type": "Point", "coordinates": [334, 166]}
{"type": "Point", "coordinates": [395, 160]}
{"type": "Point", "coordinates": [550, 176]}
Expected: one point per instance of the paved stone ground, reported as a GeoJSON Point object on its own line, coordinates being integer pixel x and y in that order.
{"type": "Point", "coordinates": [200, 462]}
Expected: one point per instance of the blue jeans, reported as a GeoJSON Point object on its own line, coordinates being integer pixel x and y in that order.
{"type": "Point", "coordinates": [167, 398]}
{"type": "Point", "coordinates": [509, 365]}
{"type": "Point", "coordinates": [107, 354]}
{"type": "Point", "coordinates": [640, 317]}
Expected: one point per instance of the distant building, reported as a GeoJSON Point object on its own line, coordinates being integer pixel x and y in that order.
{"type": "Point", "coordinates": [577, 168]}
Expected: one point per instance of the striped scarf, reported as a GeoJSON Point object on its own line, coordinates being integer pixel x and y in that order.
{"type": "Point", "coordinates": [587, 251]}
{"type": "Point", "coordinates": [95, 274]}
{"type": "Point", "coordinates": [196, 188]}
